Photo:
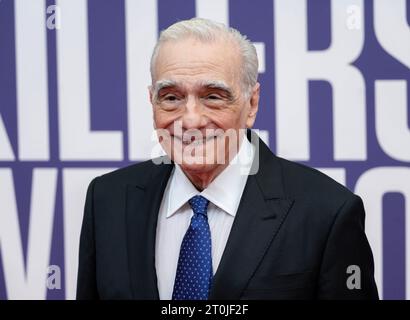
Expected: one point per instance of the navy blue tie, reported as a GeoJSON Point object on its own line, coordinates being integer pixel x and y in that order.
{"type": "Point", "coordinates": [194, 271]}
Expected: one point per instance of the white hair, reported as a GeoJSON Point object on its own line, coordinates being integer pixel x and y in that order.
{"type": "Point", "coordinates": [207, 31]}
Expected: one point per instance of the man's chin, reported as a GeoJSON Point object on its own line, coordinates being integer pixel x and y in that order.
{"type": "Point", "coordinates": [198, 166]}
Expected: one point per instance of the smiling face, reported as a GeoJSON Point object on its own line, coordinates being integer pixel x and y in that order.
{"type": "Point", "coordinates": [198, 91]}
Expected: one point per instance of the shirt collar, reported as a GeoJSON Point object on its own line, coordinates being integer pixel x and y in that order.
{"type": "Point", "coordinates": [225, 191]}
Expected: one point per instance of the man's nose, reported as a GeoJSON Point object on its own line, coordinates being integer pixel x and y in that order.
{"type": "Point", "coordinates": [193, 116]}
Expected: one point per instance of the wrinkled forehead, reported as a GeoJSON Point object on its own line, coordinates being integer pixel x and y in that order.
{"type": "Point", "coordinates": [191, 58]}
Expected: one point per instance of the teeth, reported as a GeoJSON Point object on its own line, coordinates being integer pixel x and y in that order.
{"type": "Point", "coordinates": [197, 142]}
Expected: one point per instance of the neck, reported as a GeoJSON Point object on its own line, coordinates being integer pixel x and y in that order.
{"type": "Point", "coordinates": [201, 180]}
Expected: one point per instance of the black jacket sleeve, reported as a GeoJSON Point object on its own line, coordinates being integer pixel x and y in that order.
{"type": "Point", "coordinates": [86, 280]}
{"type": "Point", "coordinates": [347, 270]}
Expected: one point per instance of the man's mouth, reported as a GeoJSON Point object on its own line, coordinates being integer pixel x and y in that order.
{"type": "Point", "coordinates": [194, 141]}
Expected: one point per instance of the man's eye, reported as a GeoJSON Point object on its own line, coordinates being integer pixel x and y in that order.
{"type": "Point", "coordinates": [170, 98]}
{"type": "Point", "coordinates": [213, 97]}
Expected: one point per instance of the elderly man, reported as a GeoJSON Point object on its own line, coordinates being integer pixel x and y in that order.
{"type": "Point", "coordinates": [226, 218]}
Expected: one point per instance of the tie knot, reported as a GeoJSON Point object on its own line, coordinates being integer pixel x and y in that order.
{"type": "Point", "coordinates": [199, 204]}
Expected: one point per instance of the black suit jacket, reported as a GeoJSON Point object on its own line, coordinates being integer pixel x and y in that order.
{"type": "Point", "coordinates": [294, 236]}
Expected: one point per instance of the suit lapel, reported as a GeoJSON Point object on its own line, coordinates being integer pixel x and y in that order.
{"type": "Point", "coordinates": [142, 208]}
{"type": "Point", "coordinates": [261, 213]}
{"type": "Point", "coordinates": [255, 227]}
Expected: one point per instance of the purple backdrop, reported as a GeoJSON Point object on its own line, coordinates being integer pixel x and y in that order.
{"type": "Point", "coordinates": [107, 52]}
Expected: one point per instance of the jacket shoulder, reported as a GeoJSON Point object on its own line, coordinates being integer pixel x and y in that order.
{"type": "Point", "coordinates": [137, 174]}
{"type": "Point", "coordinates": [303, 182]}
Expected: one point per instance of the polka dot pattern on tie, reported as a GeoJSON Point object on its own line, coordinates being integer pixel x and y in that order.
{"type": "Point", "coordinates": [194, 271]}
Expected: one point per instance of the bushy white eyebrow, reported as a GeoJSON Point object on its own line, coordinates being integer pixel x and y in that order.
{"type": "Point", "coordinates": [219, 85]}
{"type": "Point", "coordinates": [161, 84]}
{"type": "Point", "coordinates": [214, 84]}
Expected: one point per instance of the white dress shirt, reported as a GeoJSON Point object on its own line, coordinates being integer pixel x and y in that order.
{"type": "Point", "coordinates": [224, 195]}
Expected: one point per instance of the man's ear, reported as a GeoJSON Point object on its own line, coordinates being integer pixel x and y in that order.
{"type": "Point", "coordinates": [254, 105]}
{"type": "Point", "coordinates": [150, 93]}
{"type": "Point", "coordinates": [152, 104]}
